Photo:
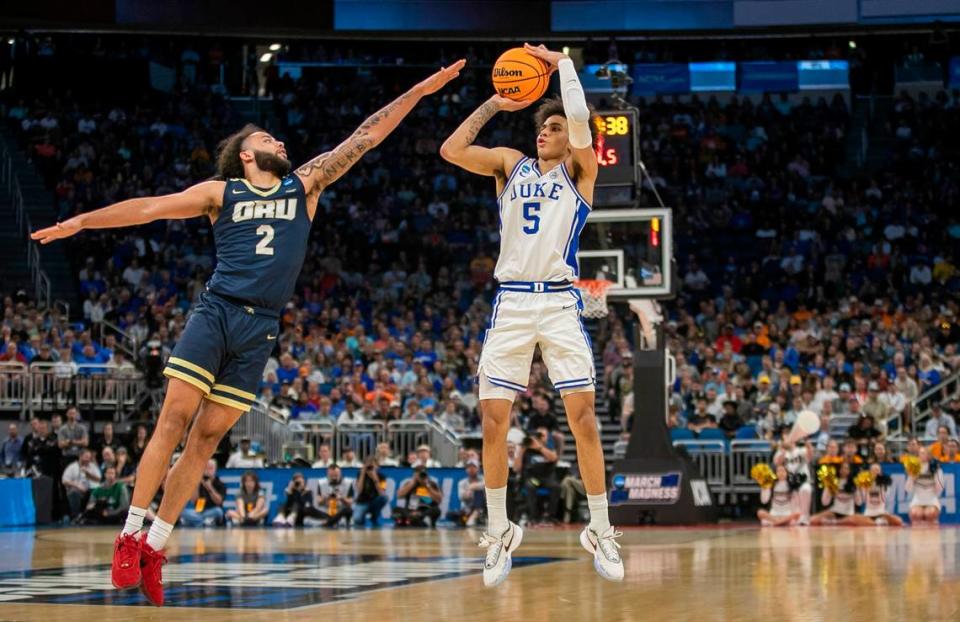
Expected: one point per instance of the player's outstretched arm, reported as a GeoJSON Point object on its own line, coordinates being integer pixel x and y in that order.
{"type": "Point", "coordinates": [199, 200]}
{"type": "Point", "coordinates": [459, 148]}
{"type": "Point", "coordinates": [574, 108]}
{"type": "Point", "coordinates": [328, 167]}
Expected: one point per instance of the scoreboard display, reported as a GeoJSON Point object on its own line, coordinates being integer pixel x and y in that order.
{"type": "Point", "coordinates": [616, 147]}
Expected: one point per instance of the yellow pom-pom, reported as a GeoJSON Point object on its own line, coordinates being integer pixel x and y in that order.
{"type": "Point", "coordinates": [864, 479]}
{"type": "Point", "coordinates": [912, 465]}
{"type": "Point", "coordinates": [763, 475]}
{"type": "Point", "coordinates": [827, 477]}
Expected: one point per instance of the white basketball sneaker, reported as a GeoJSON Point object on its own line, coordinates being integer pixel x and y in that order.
{"type": "Point", "coordinates": [605, 550]}
{"type": "Point", "coordinates": [498, 561]}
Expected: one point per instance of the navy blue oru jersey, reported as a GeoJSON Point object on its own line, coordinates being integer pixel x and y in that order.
{"type": "Point", "coordinates": [261, 239]}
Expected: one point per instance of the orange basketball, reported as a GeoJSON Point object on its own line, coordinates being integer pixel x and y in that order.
{"type": "Point", "coordinates": [519, 76]}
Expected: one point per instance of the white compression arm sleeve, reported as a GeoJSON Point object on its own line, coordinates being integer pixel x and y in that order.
{"type": "Point", "coordinates": [574, 105]}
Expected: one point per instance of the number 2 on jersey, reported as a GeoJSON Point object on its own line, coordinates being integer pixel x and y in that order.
{"type": "Point", "coordinates": [531, 215]}
{"type": "Point", "coordinates": [263, 246]}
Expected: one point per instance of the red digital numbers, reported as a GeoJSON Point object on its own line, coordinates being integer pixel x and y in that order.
{"type": "Point", "coordinates": [607, 156]}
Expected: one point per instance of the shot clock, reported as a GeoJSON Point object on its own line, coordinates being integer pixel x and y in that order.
{"type": "Point", "coordinates": [616, 147]}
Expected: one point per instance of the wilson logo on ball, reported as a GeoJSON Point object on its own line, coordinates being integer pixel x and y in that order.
{"type": "Point", "coordinates": [520, 76]}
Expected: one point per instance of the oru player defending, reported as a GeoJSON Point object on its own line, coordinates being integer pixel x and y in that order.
{"type": "Point", "coordinates": [543, 204]}
{"type": "Point", "coordinates": [261, 216]}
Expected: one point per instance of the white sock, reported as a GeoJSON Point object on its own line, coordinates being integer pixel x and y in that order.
{"type": "Point", "coordinates": [497, 511]}
{"type": "Point", "coordinates": [134, 520]}
{"type": "Point", "coordinates": [158, 534]}
{"type": "Point", "coordinates": [599, 520]}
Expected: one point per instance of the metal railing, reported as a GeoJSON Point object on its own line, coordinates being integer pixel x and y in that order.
{"type": "Point", "coordinates": [14, 387]}
{"type": "Point", "coordinates": [726, 467]}
{"type": "Point", "coordinates": [314, 434]}
{"type": "Point", "coordinates": [268, 427]}
{"type": "Point", "coordinates": [46, 387]}
{"type": "Point", "coordinates": [446, 444]}
{"type": "Point", "coordinates": [744, 454]}
{"type": "Point", "coordinates": [125, 340]}
{"type": "Point", "coordinates": [405, 436]}
{"type": "Point", "coordinates": [361, 436]}
{"type": "Point", "coordinates": [840, 425]}
{"type": "Point", "coordinates": [920, 407]}
{"type": "Point", "coordinates": [39, 279]}
{"type": "Point", "coordinates": [711, 457]}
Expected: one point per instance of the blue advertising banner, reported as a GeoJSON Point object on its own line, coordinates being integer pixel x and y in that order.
{"type": "Point", "coordinates": [273, 482]}
{"type": "Point", "coordinates": [592, 84]}
{"type": "Point", "coordinates": [823, 74]}
{"type": "Point", "coordinates": [451, 15]}
{"type": "Point", "coordinates": [953, 81]}
{"type": "Point", "coordinates": [768, 76]}
{"type": "Point", "coordinates": [713, 76]}
{"type": "Point", "coordinates": [16, 502]}
{"type": "Point", "coordinates": [640, 15]}
{"type": "Point", "coordinates": [657, 78]}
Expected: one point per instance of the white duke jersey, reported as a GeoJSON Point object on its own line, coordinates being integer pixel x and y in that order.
{"type": "Point", "coordinates": [541, 217]}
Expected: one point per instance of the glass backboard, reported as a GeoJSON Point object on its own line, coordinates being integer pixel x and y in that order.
{"type": "Point", "coordinates": [633, 248]}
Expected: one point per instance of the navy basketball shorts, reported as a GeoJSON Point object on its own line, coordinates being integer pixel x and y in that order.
{"type": "Point", "coordinates": [223, 350]}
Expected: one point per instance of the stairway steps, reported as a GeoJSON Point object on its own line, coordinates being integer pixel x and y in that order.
{"type": "Point", "coordinates": [39, 207]}
{"type": "Point", "coordinates": [609, 430]}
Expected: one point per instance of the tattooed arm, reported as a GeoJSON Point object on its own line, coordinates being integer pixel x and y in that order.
{"type": "Point", "coordinates": [328, 167]}
{"type": "Point", "coordinates": [460, 150]}
{"type": "Point", "coordinates": [202, 199]}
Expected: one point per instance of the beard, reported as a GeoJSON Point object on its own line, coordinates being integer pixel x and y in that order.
{"type": "Point", "coordinates": [272, 163]}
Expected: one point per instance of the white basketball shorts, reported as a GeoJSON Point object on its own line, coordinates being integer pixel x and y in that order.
{"type": "Point", "coordinates": [522, 320]}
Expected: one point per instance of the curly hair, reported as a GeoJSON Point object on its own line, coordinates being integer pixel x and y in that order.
{"type": "Point", "coordinates": [229, 165]}
{"type": "Point", "coordinates": [554, 106]}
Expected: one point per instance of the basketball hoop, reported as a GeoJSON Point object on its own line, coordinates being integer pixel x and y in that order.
{"type": "Point", "coordinates": [594, 294]}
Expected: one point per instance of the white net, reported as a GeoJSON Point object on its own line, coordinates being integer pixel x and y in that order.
{"type": "Point", "coordinates": [594, 294]}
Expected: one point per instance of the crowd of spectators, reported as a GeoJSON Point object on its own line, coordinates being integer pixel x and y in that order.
{"type": "Point", "coordinates": [815, 291]}
{"type": "Point", "coordinates": [802, 287]}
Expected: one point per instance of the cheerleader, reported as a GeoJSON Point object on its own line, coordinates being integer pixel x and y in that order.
{"type": "Point", "coordinates": [875, 498]}
{"type": "Point", "coordinates": [780, 497]}
{"type": "Point", "coordinates": [797, 461]}
{"type": "Point", "coordinates": [926, 487]}
{"type": "Point", "coordinates": [841, 502]}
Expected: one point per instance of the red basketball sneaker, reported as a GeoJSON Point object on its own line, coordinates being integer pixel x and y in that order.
{"type": "Point", "coordinates": [125, 572]}
{"type": "Point", "coordinates": [151, 566]}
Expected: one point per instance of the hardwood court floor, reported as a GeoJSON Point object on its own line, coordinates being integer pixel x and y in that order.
{"type": "Point", "coordinates": [673, 575]}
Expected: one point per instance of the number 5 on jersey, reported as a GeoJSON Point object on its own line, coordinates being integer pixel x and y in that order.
{"type": "Point", "coordinates": [263, 246]}
{"type": "Point", "coordinates": [531, 212]}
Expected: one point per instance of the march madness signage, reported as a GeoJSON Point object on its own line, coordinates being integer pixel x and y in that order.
{"type": "Point", "coordinates": [646, 488]}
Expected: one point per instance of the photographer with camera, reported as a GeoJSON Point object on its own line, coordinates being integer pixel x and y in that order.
{"type": "Point", "coordinates": [418, 500]}
{"type": "Point", "coordinates": [299, 502]}
{"type": "Point", "coordinates": [206, 506]}
{"type": "Point", "coordinates": [336, 498]}
{"type": "Point", "coordinates": [370, 497]}
{"type": "Point", "coordinates": [538, 472]}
